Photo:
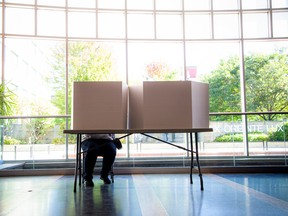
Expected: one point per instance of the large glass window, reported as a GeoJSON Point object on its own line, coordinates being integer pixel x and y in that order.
{"type": "Point", "coordinates": [23, 23]}
{"type": "Point", "coordinates": [238, 47]}
{"type": "Point", "coordinates": [143, 57]}
{"type": "Point", "coordinates": [31, 67]}
{"type": "Point", "coordinates": [197, 5]}
{"type": "Point", "coordinates": [226, 25]}
{"type": "Point", "coordinates": [168, 4]}
{"type": "Point", "coordinates": [140, 4]}
{"type": "Point", "coordinates": [280, 24]}
{"type": "Point", "coordinates": [82, 3]}
{"type": "Point", "coordinates": [140, 25]}
{"type": "Point", "coordinates": [279, 3]}
{"type": "Point", "coordinates": [20, 1]}
{"type": "Point", "coordinates": [255, 4]}
{"type": "Point", "coordinates": [255, 25]}
{"type": "Point", "coordinates": [198, 25]}
{"type": "Point", "coordinates": [266, 76]}
{"type": "Point", "coordinates": [222, 73]}
{"type": "Point", "coordinates": [172, 31]}
{"type": "Point", "coordinates": [225, 4]}
{"type": "Point", "coordinates": [51, 23]}
{"type": "Point", "coordinates": [76, 27]}
{"type": "Point", "coordinates": [111, 25]}
{"type": "Point", "coordinates": [51, 2]}
{"type": "Point", "coordinates": [111, 4]}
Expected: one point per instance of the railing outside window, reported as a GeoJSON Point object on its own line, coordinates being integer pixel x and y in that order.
{"type": "Point", "coordinates": [39, 138]}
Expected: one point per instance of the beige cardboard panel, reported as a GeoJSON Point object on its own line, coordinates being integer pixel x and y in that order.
{"type": "Point", "coordinates": [124, 105]}
{"type": "Point", "coordinates": [99, 105]}
{"type": "Point", "coordinates": [167, 104]}
{"type": "Point", "coordinates": [135, 107]}
{"type": "Point", "coordinates": [200, 105]}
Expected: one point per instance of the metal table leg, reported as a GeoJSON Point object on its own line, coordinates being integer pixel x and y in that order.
{"type": "Point", "coordinates": [197, 159]}
{"type": "Point", "coordinates": [192, 158]}
{"type": "Point", "coordinates": [77, 161]}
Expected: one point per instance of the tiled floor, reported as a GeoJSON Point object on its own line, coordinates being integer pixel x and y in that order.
{"type": "Point", "coordinates": [224, 194]}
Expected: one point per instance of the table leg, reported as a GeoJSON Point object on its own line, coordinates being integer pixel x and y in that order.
{"type": "Point", "coordinates": [197, 159]}
{"type": "Point", "coordinates": [77, 161]}
{"type": "Point", "coordinates": [192, 158]}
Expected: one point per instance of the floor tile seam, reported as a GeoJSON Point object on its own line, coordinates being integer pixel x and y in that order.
{"type": "Point", "coordinates": [143, 190]}
{"type": "Point", "coordinates": [257, 194]}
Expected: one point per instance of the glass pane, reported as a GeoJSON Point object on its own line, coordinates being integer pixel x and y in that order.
{"type": "Point", "coordinates": [19, 21]}
{"type": "Point", "coordinates": [34, 70]}
{"type": "Point", "coordinates": [196, 4]}
{"type": "Point", "coordinates": [227, 137]}
{"type": "Point", "coordinates": [111, 25]}
{"type": "Point", "coordinates": [168, 4]}
{"type": "Point", "coordinates": [143, 146]}
{"type": "Point", "coordinates": [140, 25]}
{"type": "Point", "coordinates": [92, 61]}
{"type": "Point", "coordinates": [20, 1]}
{"type": "Point", "coordinates": [279, 3]}
{"type": "Point", "coordinates": [111, 4]}
{"type": "Point", "coordinates": [222, 73]}
{"type": "Point", "coordinates": [225, 4]}
{"type": "Point", "coordinates": [267, 135]}
{"type": "Point", "coordinates": [51, 2]}
{"type": "Point", "coordinates": [76, 27]}
{"type": "Point", "coordinates": [280, 24]}
{"type": "Point", "coordinates": [51, 23]}
{"type": "Point", "coordinates": [34, 139]}
{"type": "Point", "coordinates": [140, 4]}
{"type": "Point", "coordinates": [226, 26]}
{"type": "Point", "coordinates": [82, 3]}
{"type": "Point", "coordinates": [0, 19]}
{"type": "Point", "coordinates": [255, 25]}
{"type": "Point", "coordinates": [255, 4]}
{"type": "Point", "coordinates": [266, 76]}
{"type": "Point", "coordinates": [173, 30]}
{"type": "Point", "coordinates": [146, 59]}
{"type": "Point", "coordinates": [198, 26]}
{"type": "Point", "coordinates": [1, 57]}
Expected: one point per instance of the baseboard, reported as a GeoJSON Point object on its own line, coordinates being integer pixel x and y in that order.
{"type": "Point", "coordinates": [149, 170]}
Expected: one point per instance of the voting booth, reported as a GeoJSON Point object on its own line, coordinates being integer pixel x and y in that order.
{"type": "Point", "coordinates": [99, 105]}
{"type": "Point", "coordinates": [169, 105]}
{"type": "Point", "coordinates": [150, 105]}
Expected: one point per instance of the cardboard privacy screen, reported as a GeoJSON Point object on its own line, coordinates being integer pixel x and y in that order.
{"type": "Point", "coordinates": [169, 105]}
{"type": "Point", "coordinates": [99, 105]}
{"type": "Point", "coordinates": [151, 105]}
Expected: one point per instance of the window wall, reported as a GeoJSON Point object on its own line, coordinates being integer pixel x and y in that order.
{"type": "Point", "coordinates": [239, 47]}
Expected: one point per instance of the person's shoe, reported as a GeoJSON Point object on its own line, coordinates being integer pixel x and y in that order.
{"type": "Point", "coordinates": [106, 180]}
{"type": "Point", "coordinates": [89, 183]}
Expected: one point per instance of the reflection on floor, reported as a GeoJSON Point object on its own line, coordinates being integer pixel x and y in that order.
{"type": "Point", "coordinates": [149, 194]}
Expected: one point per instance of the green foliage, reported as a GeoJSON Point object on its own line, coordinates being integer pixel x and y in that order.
{"type": "Point", "coordinates": [224, 86]}
{"type": "Point", "coordinates": [266, 84]}
{"type": "Point", "coordinates": [238, 137]}
{"type": "Point", "coordinates": [280, 135]}
{"type": "Point", "coordinates": [11, 141]}
{"type": "Point", "coordinates": [229, 138]}
{"type": "Point", "coordinates": [7, 100]}
{"type": "Point", "coordinates": [37, 129]}
{"type": "Point", "coordinates": [71, 140]}
{"type": "Point", "coordinates": [160, 71]}
{"type": "Point", "coordinates": [88, 61]}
